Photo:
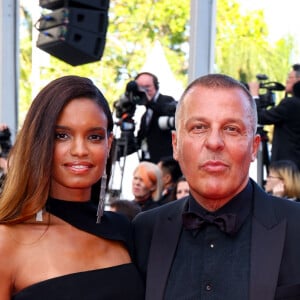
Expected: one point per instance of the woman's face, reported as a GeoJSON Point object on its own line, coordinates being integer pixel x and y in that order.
{"type": "Point", "coordinates": [273, 180]}
{"type": "Point", "coordinates": [182, 189]}
{"type": "Point", "coordinates": [139, 188]}
{"type": "Point", "coordinates": [81, 149]}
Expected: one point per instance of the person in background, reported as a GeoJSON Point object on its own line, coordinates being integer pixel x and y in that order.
{"type": "Point", "coordinates": [54, 243]}
{"type": "Point", "coordinates": [128, 208]}
{"type": "Point", "coordinates": [170, 174]}
{"type": "Point", "coordinates": [3, 171]}
{"type": "Point", "coordinates": [5, 146]}
{"type": "Point", "coordinates": [155, 142]}
{"type": "Point", "coordinates": [181, 189]}
{"type": "Point", "coordinates": [285, 118]}
{"type": "Point", "coordinates": [229, 239]}
{"type": "Point", "coordinates": [147, 185]}
{"type": "Point", "coordinates": [284, 180]}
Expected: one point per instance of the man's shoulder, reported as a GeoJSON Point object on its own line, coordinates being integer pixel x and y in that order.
{"type": "Point", "coordinates": [283, 205]}
{"type": "Point", "coordinates": [290, 101]}
{"type": "Point", "coordinates": [271, 200]}
{"type": "Point", "coordinates": [282, 208]}
{"type": "Point", "coordinates": [165, 210]}
{"type": "Point", "coordinates": [168, 98]}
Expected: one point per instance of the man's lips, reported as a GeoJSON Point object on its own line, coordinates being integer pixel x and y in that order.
{"type": "Point", "coordinates": [214, 166]}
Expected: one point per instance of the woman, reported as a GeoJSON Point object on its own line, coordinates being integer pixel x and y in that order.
{"type": "Point", "coordinates": [283, 180]}
{"type": "Point", "coordinates": [147, 185]}
{"type": "Point", "coordinates": [50, 244]}
{"type": "Point", "coordinates": [181, 189]}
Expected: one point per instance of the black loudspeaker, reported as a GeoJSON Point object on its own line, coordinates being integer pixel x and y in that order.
{"type": "Point", "coordinates": [72, 45]}
{"type": "Point", "coordinates": [86, 19]}
{"type": "Point", "coordinates": [74, 33]}
{"type": "Point", "coordinates": [54, 4]}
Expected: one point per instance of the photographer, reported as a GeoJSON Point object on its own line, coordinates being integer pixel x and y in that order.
{"type": "Point", "coordinates": [5, 145]}
{"type": "Point", "coordinates": [154, 138]}
{"type": "Point", "coordinates": [285, 118]}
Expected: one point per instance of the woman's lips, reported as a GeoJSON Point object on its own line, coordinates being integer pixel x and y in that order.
{"type": "Point", "coordinates": [78, 168]}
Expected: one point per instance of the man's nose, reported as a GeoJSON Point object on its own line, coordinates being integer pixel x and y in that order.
{"type": "Point", "coordinates": [214, 139]}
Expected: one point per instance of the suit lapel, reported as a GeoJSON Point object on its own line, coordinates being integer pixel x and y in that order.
{"type": "Point", "coordinates": [162, 251]}
{"type": "Point", "coordinates": [268, 235]}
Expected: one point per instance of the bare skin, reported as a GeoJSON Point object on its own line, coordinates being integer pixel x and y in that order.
{"type": "Point", "coordinates": [35, 251]}
{"type": "Point", "coordinates": [215, 144]}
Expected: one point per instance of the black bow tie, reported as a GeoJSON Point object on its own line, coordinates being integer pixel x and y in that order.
{"type": "Point", "coordinates": [225, 222]}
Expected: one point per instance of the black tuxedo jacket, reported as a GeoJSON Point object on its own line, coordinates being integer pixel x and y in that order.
{"type": "Point", "coordinates": [286, 134]}
{"type": "Point", "coordinates": [159, 141]}
{"type": "Point", "coordinates": [275, 246]}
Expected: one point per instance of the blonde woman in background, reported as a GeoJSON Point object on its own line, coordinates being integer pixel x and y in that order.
{"type": "Point", "coordinates": [284, 180]}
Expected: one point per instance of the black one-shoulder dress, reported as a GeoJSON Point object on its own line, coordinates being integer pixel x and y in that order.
{"type": "Point", "coordinates": [113, 283]}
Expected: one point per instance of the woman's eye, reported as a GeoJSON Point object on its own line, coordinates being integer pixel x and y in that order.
{"type": "Point", "coordinates": [96, 137]}
{"type": "Point", "coordinates": [61, 136]}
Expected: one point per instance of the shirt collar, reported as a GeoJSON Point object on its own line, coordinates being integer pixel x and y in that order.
{"type": "Point", "coordinates": [241, 205]}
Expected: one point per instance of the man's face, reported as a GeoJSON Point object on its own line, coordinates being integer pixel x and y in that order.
{"type": "Point", "coordinates": [215, 144]}
{"type": "Point", "coordinates": [146, 82]}
{"type": "Point", "coordinates": [290, 81]}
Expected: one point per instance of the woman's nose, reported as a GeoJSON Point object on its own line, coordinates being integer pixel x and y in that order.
{"type": "Point", "coordinates": [79, 147]}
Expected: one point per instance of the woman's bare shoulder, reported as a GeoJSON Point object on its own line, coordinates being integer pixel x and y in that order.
{"type": "Point", "coordinates": [7, 233]}
{"type": "Point", "coordinates": [7, 261]}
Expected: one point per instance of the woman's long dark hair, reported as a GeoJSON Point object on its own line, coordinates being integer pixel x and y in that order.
{"type": "Point", "coordinates": [27, 184]}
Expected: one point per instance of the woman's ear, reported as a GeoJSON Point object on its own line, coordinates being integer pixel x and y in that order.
{"type": "Point", "coordinates": [109, 141]}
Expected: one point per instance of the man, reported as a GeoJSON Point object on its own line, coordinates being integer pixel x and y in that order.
{"type": "Point", "coordinates": [248, 247]}
{"type": "Point", "coordinates": [171, 172]}
{"type": "Point", "coordinates": [285, 117]}
{"type": "Point", "coordinates": [155, 141]}
{"type": "Point", "coordinates": [5, 146]}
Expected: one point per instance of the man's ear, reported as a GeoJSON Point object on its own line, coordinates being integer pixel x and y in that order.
{"type": "Point", "coordinates": [174, 145]}
{"type": "Point", "coordinates": [255, 146]}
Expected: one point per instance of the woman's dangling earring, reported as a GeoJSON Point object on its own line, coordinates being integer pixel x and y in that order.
{"type": "Point", "coordinates": [39, 216]}
{"type": "Point", "coordinates": [102, 195]}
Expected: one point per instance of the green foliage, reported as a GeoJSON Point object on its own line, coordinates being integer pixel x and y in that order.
{"type": "Point", "coordinates": [134, 26]}
{"type": "Point", "coordinates": [242, 47]}
{"type": "Point", "coordinates": [25, 88]}
{"type": "Point", "coordinates": [25, 72]}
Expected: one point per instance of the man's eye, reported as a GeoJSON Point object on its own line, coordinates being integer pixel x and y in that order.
{"type": "Point", "coordinates": [199, 127]}
{"type": "Point", "coordinates": [232, 129]}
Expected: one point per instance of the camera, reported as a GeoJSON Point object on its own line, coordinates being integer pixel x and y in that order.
{"type": "Point", "coordinates": [125, 108]}
{"type": "Point", "coordinates": [126, 105]}
{"type": "Point", "coordinates": [5, 142]}
{"type": "Point", "coordinates": [268, 98]}
{"type": "Point", "coordinates": [166, 122]}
